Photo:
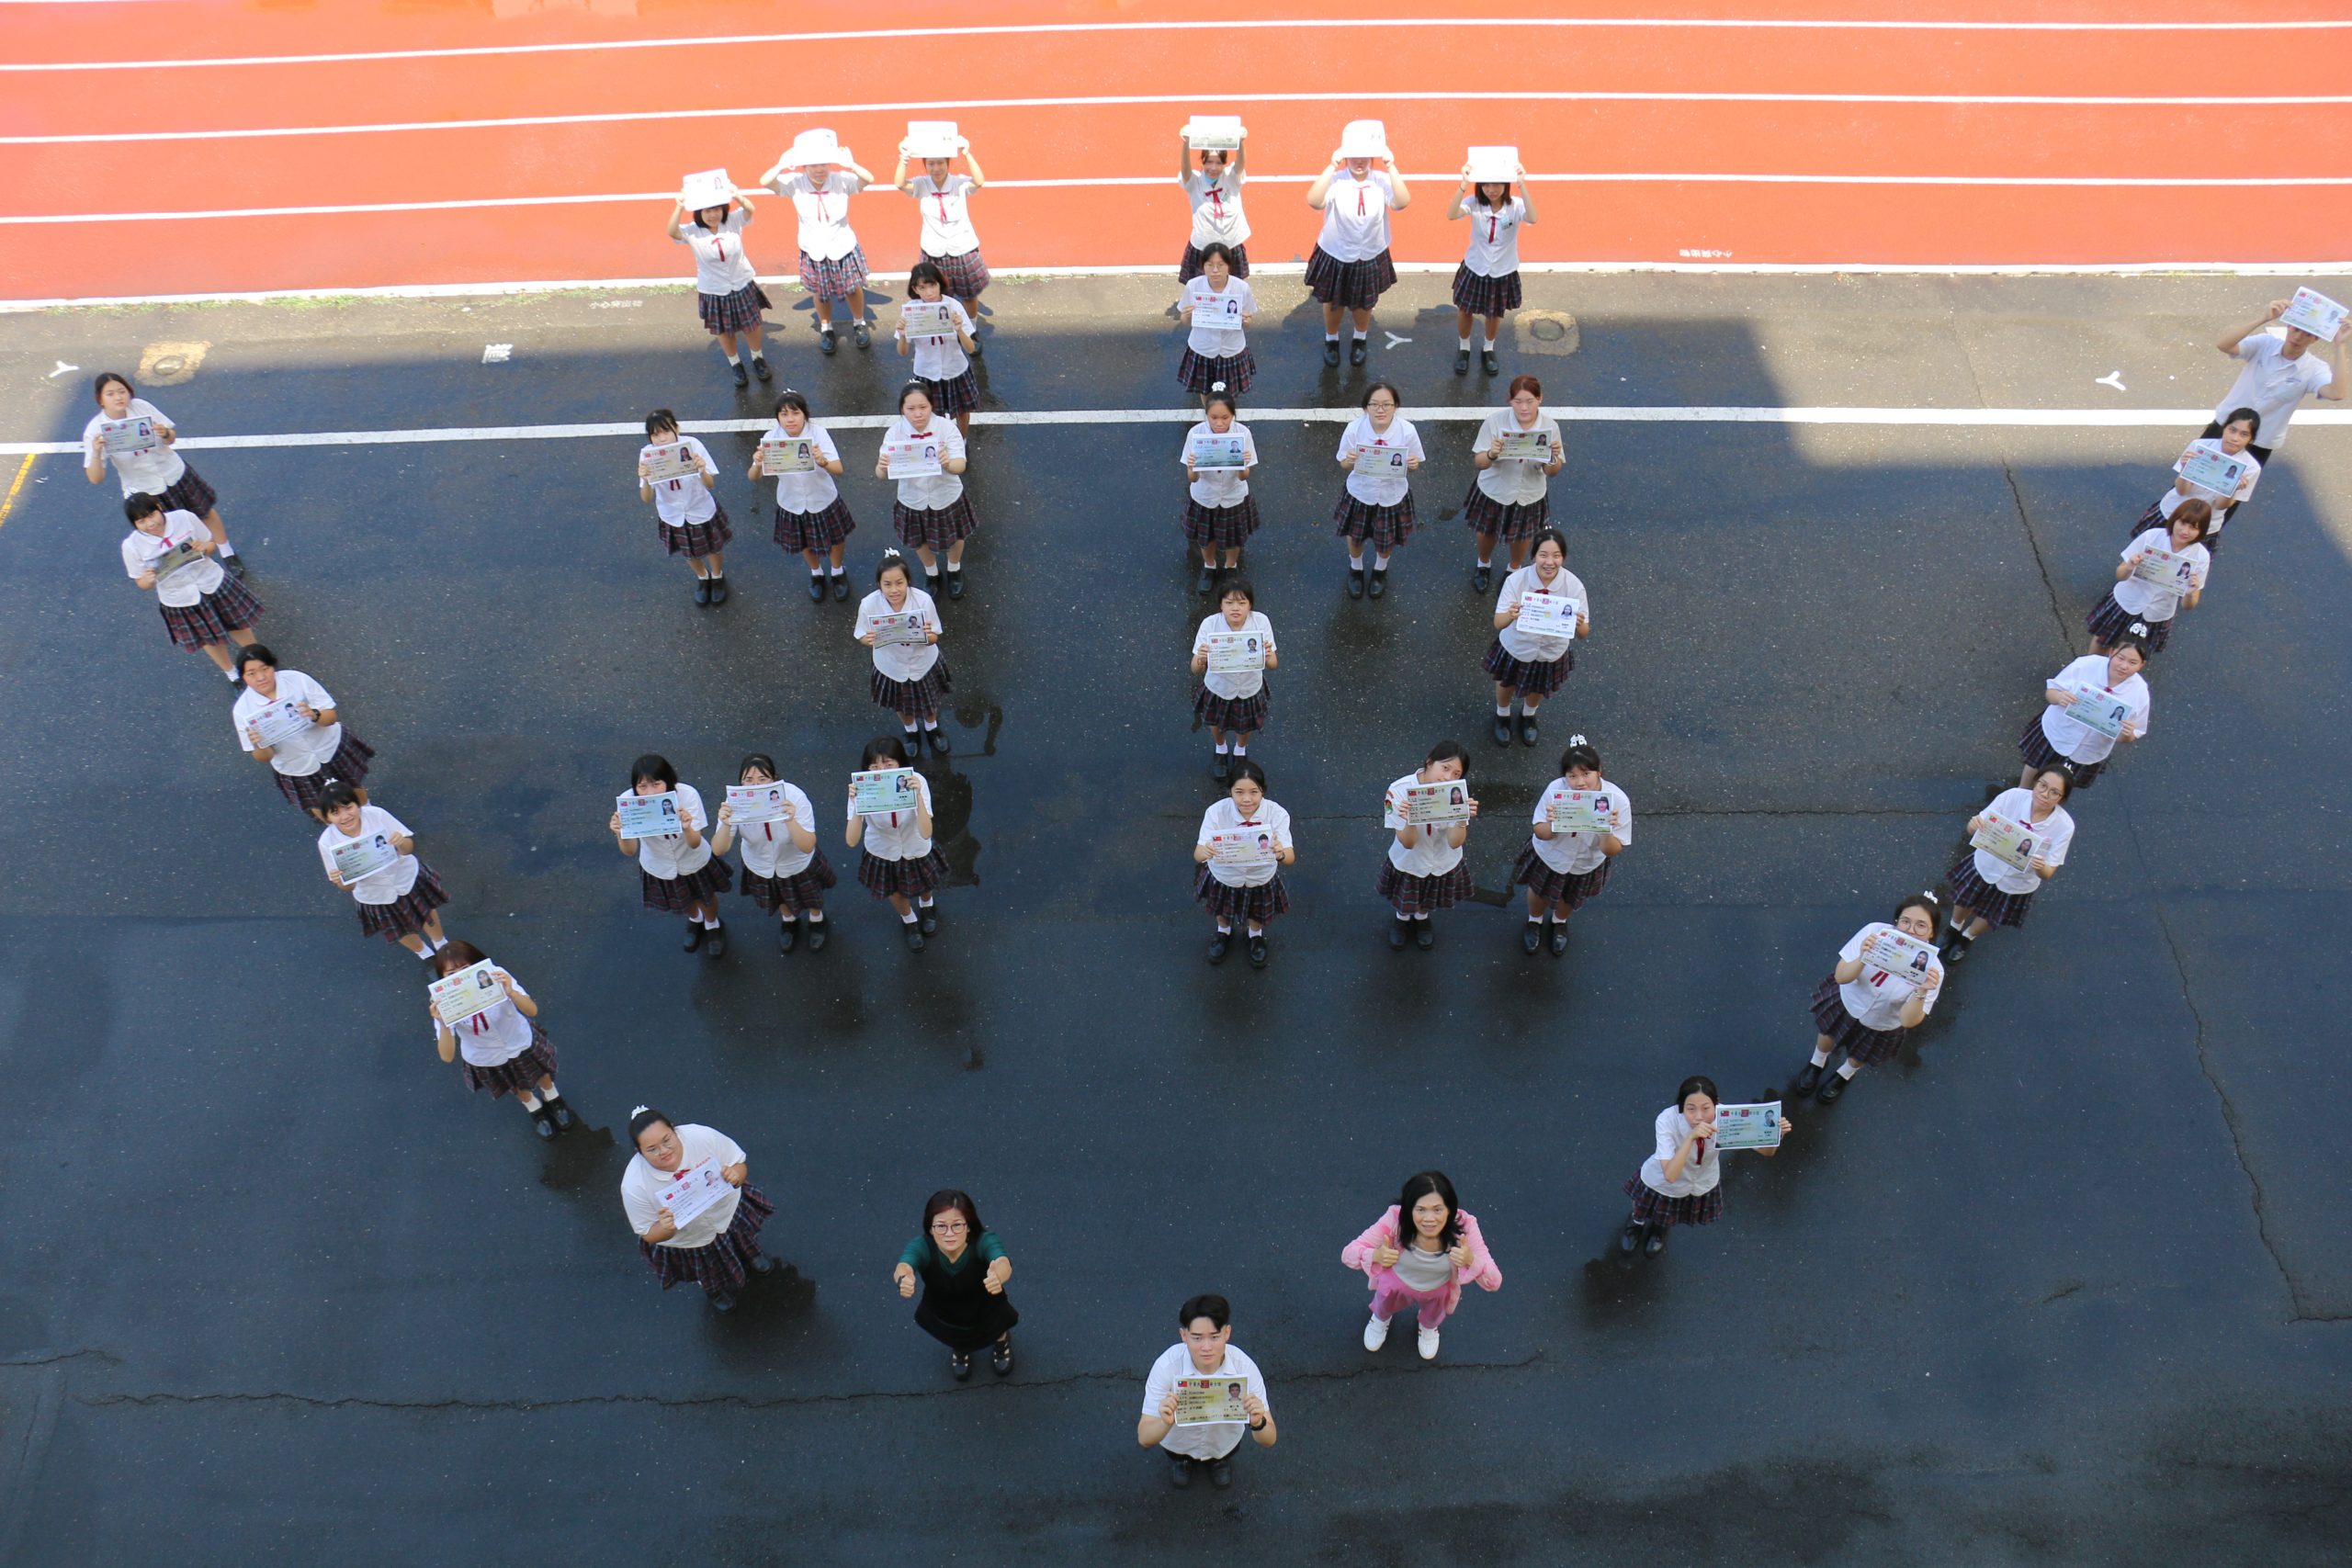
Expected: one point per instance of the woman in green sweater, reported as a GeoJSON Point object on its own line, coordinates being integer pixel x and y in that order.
{"type": "Point", "coordinates": [962, 1268]}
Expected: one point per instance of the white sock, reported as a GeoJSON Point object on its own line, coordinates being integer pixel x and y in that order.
{"type": "Point", "coordinates": [1241, 747]}
{"type": "Point", "coordinates": [912, 730]}
{"type": "Point", "coordinates": [530, 1101]}
{"type": "Point", "coordinates": [1223, 747]}
{"type": "Point", "coordinates": [1466, 345]}
{"type": "Point", "coordinates": [1848, 1071]}
{"type": "Point", "coordinates": [924, 902]}
{"type": "Point", "coordinates": [1327, 337]}
{"type": "Point", "coordinates": [954, 565]}
{"type": "Point", "coordinates": [908, 919]}
{"type": "Point", "coordinates": [426, 951]}
{"type": "Point", "coordinates": [1422, 916]}
{"type": "Point", "coordinates": [1503, 710]}
{"type": "Point", "coordinates": [816, 916]}
{"type": "Point", "coordinates": [227, 548]}
{"type": "Point", "coordinates": [1491, 345]}
{"type": "Point", "coordinates": [711, 924]}
{"type": "Point", "coordinates": [1821, 1058]}
{"type": "Point", "coordinates": [1487, 560]}
{"type": "Point", "coordinates": [1380, 561]}
{"type": "Point", "coordinates": [231, 674]}
{"type": "Point", "coordinates": [1224, 928]}
{"type": "Point", "coordinates": [931, 724]}
{"type": "Point", "coordinates": [1361, 332]}
{"type": "Point", "coordinates": [733, 359]}
{"type": "Point", "coordinates": [815, 571]}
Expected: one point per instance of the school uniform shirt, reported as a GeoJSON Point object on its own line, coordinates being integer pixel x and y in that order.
{"type": "Point", "coordinates": [1386, 490]}
{"type": "Point", "coordinates": [641, 1187]}
{"type": "Point", "coordinates": [1526, 647]}
{"type": "Point", "coordinates": [825, 232]}
{"type": "Point", "coordinates": [150, 473]}
{"type": "Point", "coordinates": [1217, 208]}
{"type": "Point", "coordinates": [1578, 854]}
{"type": "Point", "coordinates": [1514, 481]}
{"type": "Point", "coordinates": [2169, 503]}
{"type": "Point", "coordinates": [901, 661]}
{"type": "Point", "coordinates": [1221, 487]}
{"type": "Point", "coordinates": [1355, 216]}
{"type": "Point", "coordinates": [141, 550]}
{"type": "Point", "coordinates": [1876, 997]}
{"type": "Point", "coordinates": [1701, 1171]}
{"type": "Point", "coordinates": [1203, 1439]}
{"type": "Point", "coordinates": [721, 265]}
{"type": "Point", "coordinates": [2145, 600]}
{"type": "Point", "coordinates": [387, 885]}
{"type": "Point", "coordinates": [1433, 856]}
{"type": "Point", "coordinates": [686, 499]}
{"type": "Point", "coordinates": [666, 855]}
{"type": "Point", "coordinates": [947, 218]}
{"type": "Point", "coordinates": [1220, 342]}
{"type": "Point", "coordinates": [2272, 385]}
{"type": "Point", "coordinates": [894, 835]}
{"type": "Point", "coordinates": [814, 491]}
{"type": "Point", "coordinates": [1494, 238]}
{"type": "Point", "coordinates": [2067, 735]}
{"type": "Point", "coordinates": [2055, 832]}
{"type": "Point", "coordinates": [768, 848]}
{"type": "Point", "coordinates": [939, 356]}
{"type": "Point", "coordinates": [1226, 817]}
{"type": "Point", "coordinates": [931, 491]}
{"type": "Point", "coordinates": [497, 1034]}
{"type": "Point", "coordinates": [1225, 683]}
{"type": "Point", "coordinates": [307, 752]}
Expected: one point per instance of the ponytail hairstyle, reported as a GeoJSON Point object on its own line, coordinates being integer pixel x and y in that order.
{"type": "Point", "coordinates": [1217, 394]}
{"type": "Point", "coordinates": [641, 1118]}
{"type": "Point", "coordinates": [1580, 753]}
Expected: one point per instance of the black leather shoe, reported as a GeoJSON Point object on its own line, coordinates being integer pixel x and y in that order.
{"type": "Point", "coordinates": [1223, 771]}
{"type": "Point", "coordinates": [840, 585]}
{"type": "Point", "coordinates": [760, 367]}
{"type": "Point", "coordinates": [787, 935]}
{"type": "Point", "coordinates": [762, 1265]}
{"type": "Point", "coordinates": [702, 591]}
{"type": "Point", "coordinates": [1355, 582]}
{"type": "Point", "coordinates": [1483, 579]}
{"type": "Point", "coordinates": [1220, 1473]}
{"type": "Point", "coordinates": [816, 586]}
{"type": "Point", "coordinates": [722, 1301]}
{"type": "Point", "coordinates": [1527, 729]}
{"type": "Point", "coordinates": [560, 1112]}
{"type": "Point", "coordinates": [693, 936]}
{"type": "Point", "coordinates": [1955, 949]}
{"type": "Point", "coordinates": [936, 739]}
{"type": "Point", "coordinates": [718, 591]}
{"type": "Point", "coordinates": [1831, 1088]}
{"type": "Point", "coordinates": [1256, 953]}
{"type": "Point", "coordinates": [1488, 363]}
{"type": "Point", "coordinates": [932, 586]}
{"type": "Point", "coordinates": [826, 343]}
{"type": "Point", "coordinates": [1357, 349]}
{"type": "Point", "coordinates": [1530, 940]}
{"type": "Point", "coordinates": [1629, 1240]}
{"type": "Point", "coordinates": [1000, 1357]}
{"type": "Point", "coordinates": [1219, 945]}
{"type": "Point", "coordinates": [742, 377]}
{"type": "Point", "coordinates": [959, 1364]}
{"type": "Point", "coordinates": [914, 935]}
{"type": "Point", "coordinates": [235, 565]}
{"type": "Point", "coordinates": [1502, 729]}
{"type": "Point", "coordinates": [1206, 582]}
{"type": "Point", "coordinates": [1462, 362]}
{"type": "Point", "coordinates": [815, 934]}
{"type": "Point", "coordinates": [1330, 351]}
{"type": "Point", "coordinates": [1654, 1243]}
{"type": "Point", "coordinates": [1424, 934]}
{"type": "Point", "coordinates": [1379, 583]}
{"type": "Point", "coordinates": [1559, 939]}
{"type": "Point", "coordinates": [927, 918]}
{"type": "Point", "coordinates": [1399, 930]}
{"type": "Point", "coordinates": [715, 947]}
{"type": "Point", "coordinates": [955, 585]}
{"type": "Point", "coordinates": [857, 331]}
{"type": "Point", "coordinates": [1180, 1474]}
{"type": "Point", "coordinates": [543, 1124]}
{"type": "Point", "coordinates": [1808, 1081]}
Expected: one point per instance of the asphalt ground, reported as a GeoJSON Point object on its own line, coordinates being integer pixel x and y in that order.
{"type": "Point", "coordinates": [2067, 1283]}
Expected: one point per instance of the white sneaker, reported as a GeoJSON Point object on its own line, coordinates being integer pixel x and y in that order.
{"type": "Point", "coordinates": [1429, 1344]}
{"type": "Point", "coordinates": [1376, 1333]}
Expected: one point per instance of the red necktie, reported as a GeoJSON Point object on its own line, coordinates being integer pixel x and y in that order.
{"type": "Point", "coordinates": [1491, 221]}
{"type": "Point", "coordinates": [720, 246]}
{"type": "Point", "coordinates": [1358, 198]}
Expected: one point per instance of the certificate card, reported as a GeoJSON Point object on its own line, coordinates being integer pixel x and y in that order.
{"type": "Point", "coordinates": [696, 1190]}
{"type": "Point", "coordinates": [278, 723]}
{"type": "Point", "coordinates": [1243, 849]}
{"type": "Point", "coordinates": [908, 628]}
{"type": "Point", "coordinates": [1493, 165]}
{"type": "Point", "coordinates": [1528, 446]}
{"type": "Point", "coordinates": [2012, 843]}
{"type": "Point", "coordinates": [915, 459]}
{"type": "Point", "coordinates": [1381, 461]}
{"type": "Point", "coordinates": [883, 791]}
{"type": "Point", "coordinates": [1903, 957]}
{"type": "Point", "coordinates": [2315, 314]}
{"type": "Point", "coordinates": [648, 815]}
{"type": "Point", "coordinates": [2163, 569]}
{"type": "Point", "coordinates": [2215, 471]}
{"type": "Point", "coordinates": [1748, 1126]}
{"type": "Point", "coordinates": [1211, 308]}
{"type": "Point", "coordinates": [674, 461]}
{"type": "Point", "coordinates": [1210, 450]}
{"type": "Point", "coordinates": [1214, 133]}
{"type": "Point", "coordinates": [175, 558]}
{"type": "Point", "coordinates": [1203, 1400]}
{"type": "Point", "coordinates": [2101, 713]}
{"type": "Point", "coordinates": [1584, 811]}
{"type": "Point", "coordinates": [787, 454]}
{"type": "Point", "coordinates": [1236, 653]}
{"type": "Point", "coordinates": [931, 138]}
{"type": "Point", "coordinates": [926, 318]}
{"type": "Point", "coordinates": [1434, 804]}
{"type": "Point", "coordinates": [470, 990]}
{"type": "Point", "coordinates": [361, 857]}
{"type": "Point", "coordinates": [756, 802]}
{"type": "Point", "coordinates": [126, 438]}
{"type": "Point", "coordinates": [1547, 614]}
{"type": "Point", "coordinates": [706, 188]}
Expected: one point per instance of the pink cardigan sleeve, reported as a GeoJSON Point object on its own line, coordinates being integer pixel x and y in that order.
{"type": "Point", "coordinates": [1482, 1263]}
{"type": "Point", "coordinates": [1358, 1253]}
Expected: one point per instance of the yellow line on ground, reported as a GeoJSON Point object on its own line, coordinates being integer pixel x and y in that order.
{"type": "Point", "coordinates": [8, 502]}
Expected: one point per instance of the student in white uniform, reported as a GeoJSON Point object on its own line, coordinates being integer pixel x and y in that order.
{"type": "Point", "coordinates": [686, 514]}
{"type": "Point", "coordinates": [811, 515]}
{"type": "Point", "coordinates": [676, 873]}
{"type": "Point", "coordinates": [501, 1048]}
{"type": "Point", "coordinates": [1531, 666]}
{"type": "Point", "coordinates": [305, 762]}
{"type": "Point", "coordinates": [2236, 440]}
{"type": "Point", "coordinates": [1510, 497]}
{"type": "Point", "coordinates": [2054, 738]}
{"type": "Point", "coordinates": [1680, 1183]}
{"type": "Point", "coordinates": [940, 368]}
{"type": "Point", "coordinates": [1233, 703]}
{"type": "Point", "coordinates": [1376, 502]}
{"type": "Point", "coordinates": [909, 678]}
{"type": "Point", "coordinates": [1424, 872]}
{"type": "Point", "coordinates": [156, 470]}
{"type": "Point", "coordinates": [1216, 346]}
{"type": "Point", "coordinates": [718, 1248]}
{"type": "Point", "coordinates": [1249, 889]}
{"type": "Point", "coordinates": [1351, 268]}
{"type": "Point", "coordinates": [1560, 869]}
{"type": "Point", "coordinates": [727, 286]}
{"type": "Point", "coordinates": [2155, 605]}
{"type": "Point", "coordinates": [2278, 374]}
{"type": "Point", "coordinates": [897, 860]}
{"type": "Point", "coordinates": [1486, 283]}
{"type": "Point", "coordinates": [398, 900]}
{"type": "Point", "coordinates": [932, 514]}
{"type": "Point", "coordinates": [1219, 516]}
{"type": "Point", "coordinates": [948, 239]}
{"type": "Point", "coordinates": [784, 874]}
{"type": "Point", "coordinates": [1214, 192]}
{"type": "Point", "coordinates": [1864, 1011]}
{"type": "Point", "coordinates": [1987, 891]}
{"type": "Point", "coordinates": [1205, 1350]}
{"type": "Point", "coordinates": [819, 179]}
{"type": "Point", "coordinates": [204, 608]}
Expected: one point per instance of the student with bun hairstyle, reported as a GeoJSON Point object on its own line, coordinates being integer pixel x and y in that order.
{"type": "Point", "coordinates": [204, 608]}
{"type": "Point", "coordinates": [687, 516]}
{"type": "Point", "coordinates": [1219, 516]}
{"type": "Point", "coordinates": [1424, 872]}
{"type": "Point", "coordinates": [1486, 283]}
{"type": "Point", "coordinates": [897, 860]}
{"type": "Point", "coordinates": [727, 286]}
{"type": "Point", "coordinates": [1233, 703]}
{"type": "Point", "coordinates": [810, 517]}
{"type": "Point", "coordinates": [501, 1048]}
{"type": "Point", "coordinates": [1419, 1255]}
{"type": "Point", "coordinates": [399, 902]}
{"type": "Point", "coordinates": [1987, 891]}
{"type": "Point", "coordinates": [305, 764]}
{"type": "Point", "coordinates": [1865, 1012]}
{"type": "Point", "coordinates": [909, 678]}
{"type": "Point", "coordinates": [677, 874]}
{"type": "Point", "coordinates": [2155, 607]}
{"type": "Point", "coordinates": [159, 471]}
{"type": "Point", "coordinates": [1680, 1183]}
{"type": "Point", "coordinates": [1250, 892]}
{"type": "Point", "coordinates": [718, 1248]}
{"type": "Point", "coordinates": [1510, 498]}
{"type": "Point", "coordinates": [2054, 738]}
{"type": "Point", "coordinates": [1561, 870]}
{"type": "Point", "coordinates": [784, 874]}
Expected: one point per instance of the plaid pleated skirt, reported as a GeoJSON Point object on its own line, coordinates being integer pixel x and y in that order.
{"type": "Point", "coordinates": [1864, 1047]}
{"type": "Point", "coordinates": [676, 894]}
{"type": "Point", "coordinates": [1189, 268]}
{"type": "Point", "coordinates": [519, 1074]}
{"type": "Point", "coordinates": [1352, 285]}
{"type": "Point", "coordinates": [1535, 680]}
{"type": "Point", "coordinates": [917, 878]}
{"type": "Point", "coordinates": [2035, 747]}
{"type": "Point", "coordinates": [232, 607]}
{"type": "Point", "coordinates": [188, 493]}
{"type": "Point", "coordinates": [736, 312]}
{"type": "Point", "coordinates": [1199, 374]}
{"type": "Point", "coordinates": [936, 528]}
{"type": "Point", "coordinates": [1652, 1207]}
{"type": "Point", "coordinates": [349, 764]}
{"type": "Point", "coordinates": [406, 915]}
{"type": "Point", "coordinates": [726, 1263]}
{"type": "Point", "coordinates": [1409, 894]}
{"type": "Point", "coordinates": [1260, 903]}
{"type": "Point", "coordinates": [1484, 296]}
{"type": "Point", "coordinates": [920, 696]}
{"type": "Point", "coordinates": [1971, 891]}
{"type": "Point", "coordinates": [2110, 620]}
{"type": "Point", "coordinates": [797, 531]}
{"type": "Point", "coordinates": [1245, 714]}
{"type": "Point", "coordinates": [2153, 517]}
{"type": "Point", "coordinates": [1227, 527]}
{"type": "Point", "coordinates": [1571, 888]}
{"type": "Point", "coordinates": [842, 279]}
{"type": "Point", "coordinates": [957, 394]}
{"type": "Point", "coordinates": [696, 540]}
{"type": "Point", "coordinates": [1522, 520]}
{"type": "Point", "coordinates": [1386, 526]}
{"type": "Point", "coordinates": [966, 275]}
{"type": "Point", "coordinates": [803, 890]}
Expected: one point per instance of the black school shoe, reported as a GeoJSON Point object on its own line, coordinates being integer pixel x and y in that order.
{"type": "Point", "coordinates": [1502, 729]}
{"type": "Point", "coordinates": [718, 591]}
{"type": "Point", "coordinates": [1482, 577]}
{"type": "Point", "coordinates": [1331, 352]}
{"type": "Point", "coordinates": [857, 331]}
{"type": "Point", "coordinates": [1223, 771]}
{"type": "Point", "coordinates": [235, 565]}
{"type": "Point", "coordinates": [826, 342]}
{"type": "Point", "coordinates": [1488, 363]}
{"type": "Point", "coordinates": [702, 591]}
{"type": "Point", "coordinates": [840, 585]}
{"type": "Point", "coordinates": [787, 935]}
{"type": "Point", "coordinates": [1629, 1240]}
{"type": "Point", "coordinates": [814, 933]}
{"type": "Point", "coordinates": [1655, 1243]}
{"type": "Point", "coordinates": [1357, 349]}
{"type": "Point", "coordinates": [1218, 944]}
{"type": "Point", "coordinates": [955, 585]}
{"type": "Point", "coordinates": [927, 918]}
{"type": "Point", "coordinates": [1560, 938]}
{"type": "Point", "coordinates": [1808, 1081]}
{"type": "Point", "coordinates": [1955, 949]}
{"type": "Point", "coordinates": [560, 1114]}
{"type": "Point", "coordinates": [1424, 934]}
{"type": "Point", "coordinates": [742, 377]}
{"type": "Point", "coordinates": [761, 1264]}
{"type": "Point", "coordinates": [1831, 1088]}
{"type": "Point", "coordinates": [1399, 930]}
{"type": "Point", "coordinates": [1527, 728]}
{"type": "Point", "coordinates": [1379, 583]}
{"type": "Point", "coordinates": [1220, 1473]}
{"type": "Point", "coordinates": [542, 1123]}
{"type": "Point", "coordinates": [722, 1301]}
{"type": "Point", "coordinates": [914, 934]}
{"type": "Point", "coordinates": [693, 936]}
{"type": "Point", "coordinates": [760, 367]}
{"type": "Point", "coordinates": [1530, 940]}
{"type": "Point", "coordinates": [1256, 953]}
{"type": "Point", "coordinates": [716, 947]}
{"type": "Point", "coordinates": [936, 739]}
{"type": "Point", "coordinates": [1355, 582]}
{"type": "Point", "coordinates": [1462, 362]}
{"type": "Point", "coordinates": [1206, 582]}
{"type": "Point", "coordinates": [816, 586]}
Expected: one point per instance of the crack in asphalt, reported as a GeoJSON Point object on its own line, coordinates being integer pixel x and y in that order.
{"type": "Point", "coordinates": [2033, 543]}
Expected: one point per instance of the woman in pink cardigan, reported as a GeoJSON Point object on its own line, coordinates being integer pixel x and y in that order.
{"type": "Point", "coordinates": [1424, 1268]}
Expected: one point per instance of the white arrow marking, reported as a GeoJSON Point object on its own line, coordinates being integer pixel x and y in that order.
{"type": "Point", "coordinates": [1394, 340]}
{"type": "Point", "coordinates": [62, 368]}
{"type": "Point", "coordinates": [2112, 379]}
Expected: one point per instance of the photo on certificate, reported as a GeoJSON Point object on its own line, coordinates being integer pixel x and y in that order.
{"type": "Point", "coordinates": [470, 990]}
{"type": "Point", "coordinates": [1904, 957]}
{"type": "Point", "coordinates": [916, 460]}
{"type": "Point", "coordinates": [1209, 450]}
{"type": "Point", "coordinates": [674, 461]}
{"type": "Point", "coordinates": [2315, 314]}
{"type": "Point", "coordinates": [2162, 569]}
{"type": "Point", "coordinates": [648, 815]}
{"type": "Point", "coordinates": [1547, 614]}
{"type": "Point", "coordinates": [1236, 653]}
{"type": "Point", "coordinates": [756, 802]}
{"type": "Point", "coordinates": [1382, 461]}
{"type": "Point", "coordinates": [1211, 308]}
{"type": "Point", "coordinates": [1243, 849]}
{"type": "Point", "coordinates": [926, 318]}
{"type": "Point", "coordinates": [128, 437]}
{"type": "Point", "coordinates": [2215, 471]}
{"type": "Point", "coordinates": [1584, 811]}
{"type": "Point", "coordinates": [1203, 1400]}
{"type": "Point", "coordinates": [1748, 1126]}
{"type": "Point", "coordinates": [357, 857]}
{"type": "Point", "coordinates": [2012, 843]}
{"type": "Point", "coordinates": [1435, 804]}
{"type": "Point", "coordinates": [787, 454]}
{"type": "Point", "coordinates": [2100, 712]}
{"type": "Point", "coordinates": [279, 723]}
{"type": "Point", "coordinates": [696, 1190]}
{"type": "Point", "coordinates": [883, 791]}
{"type": "Point", "coordinates": [1527, 445]}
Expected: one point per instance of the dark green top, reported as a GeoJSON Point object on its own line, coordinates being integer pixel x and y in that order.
{"type": "Point", "coordinates": [922, 1255]}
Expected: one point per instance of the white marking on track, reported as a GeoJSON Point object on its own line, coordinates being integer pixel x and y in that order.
{"type": "Point", "coordinates": [2112, 379]}
{"type": "Point", "coordinates": [497, 353]}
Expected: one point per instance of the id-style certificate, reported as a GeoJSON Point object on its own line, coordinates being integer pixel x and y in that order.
{"type": "Point", "coordinates": [470, 990]}
{"type": "Point", "coordinates": [1243, 849]}
{"type": "Point", "coordinates": [706, 188]}
{"type": "Point", "coordinates": [2315, 314]}
{"type": "Point", "coordinates": [756, 802]}
{"type": "Point", "coordinates": [1584, 811]}
{"type": "Point", "coordinates": [128, 437]}
{"type": "Point", "coordinates": [2162, 569]}
{"type": "Point", "coordinates": [787, 454]}
{"type": "Point", "coordinates": [2012, 843]}
{"type": "Point", "coordinates": [364, 856]}
{"type": "Point", "coordinates": [674, 461]}
{"type": "Point", "coordinates": [1547, 614]}
{"type": "Point", "coordinates": [2101, 713]}
{"type": "Point", "coordinates": [883, 791]}
{"type": "Point", "coordinates": [1527, 445]}
{"type": "Point", "coordinates": [1210, 450]}
{"type": "Point", "coordinates": [2215, 471]}
{"type": "Point", "coordinates": [1203, 1400]}
{"type": "Point", "coordinates": [696, 1190]}
{"type": "Point", "coordinates": [277, 724]}
{"type": "Point", "coordinates": [916, 460]}
{"type": "Point", "coordinates": [1379, 462]}
{"type": "Point", "coordinates": [1748, 1126]}
{"type": "Point", "coordinates": [1435, 804]}
{"type": "Point", "coordinates": [1211, 308]}
{"type": "Point", "coordinates": [908, 626]}
{"type": "Point", "coordinates": [174, 560]}
{"type": "Point", "coordinates": [926, 318]}
{"type": "Point", "coordinates": [1236, 653]}
{"type": "Point", "coordinates": [1213, 132]}
{"type": "Point", "coordinates": [648, 815]}
{"type": "Point", "coordinates": [1904, 957]}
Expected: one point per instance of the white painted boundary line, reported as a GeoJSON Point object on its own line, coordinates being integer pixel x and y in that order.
{"type": "Point", "coordinates": [2049, 419]}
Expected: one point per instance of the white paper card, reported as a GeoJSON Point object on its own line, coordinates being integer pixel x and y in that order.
{"type": "Point", "coordinates": [908, 628]}
{"type": "Point", "coordinates": [1435, 804]}
{"type": "Point", "coordinates": [1381, 461]}
{"type": "Point", "coordinates": [277, 724]}
{"type": "Point", "coordinates": [926, 318]}
{"type": "Point", "coordinates": [706, 188]}
{"type": "Point", "coordinates": [363, 856]}
{"type": "Point", "coordinates": [1748, 1126]}
{"type": "Point", "coordinates": [473, 990]}
{"type": "Point", "coordinates": [178, 559]}
{"type": "Point", "coordinates": [648, 815]}
{"type": "Point", "coordinates": [2315, 314]}
{"type": "Point", "coordinates": [1527, 445]}
{"type": "Point", "coordinates": [1906, 958]}
{"type": "Point", "coordinates": [1207, 449]}
{"type": "Point", "coordinates": [883, 791]}
{"type": "Point", "coordinates": [1219, 312]}
{"type": "Point", "coordinates": [756, 802]}
{"type": "Point", "coordinates": [1584, 811]}
{"type": "Point", "coordinates": [1236, 653]}
{"type": "Point", "coordinates": [2101, 713]}
{"type": "Point", "coordinates": [1364, 139]}
{"type": "Point", "coordinates": [696, 1190]}
{"type": "Point", "coordinates": [787, 454]}
{"type": "Point", "coordinates": [1547, 614]}
{"type": "Point", "coordinates": [1214, 133]}
{"type": "Point", "coordinates": [2213, 471]}
{"type": "Point", "coordinates": [127, 437]}
{"type": "Point", "coordinates": [2010, 842]}
{"type": "Point", "coordinates": [913, 459]}
{"type": "Point", "coordinates": [674, 461]}
{"type": "Point", "coordinates": [1243, 849]}
{"type": "Point", "coordinates": [2163, 569]}
{"type": "Point", "coordinates": [1202, 1401]}
{"type": "Point", "coordinates": [931, 138]}
{"type": "Point", "coordinates": [1493, 165]}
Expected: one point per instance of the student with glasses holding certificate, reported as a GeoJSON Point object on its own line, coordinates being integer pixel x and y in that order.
{"type": "Point", "coordinates": [810, 517]}
{"type": "Point", "coordinates": [784, 874]}
{"type": "Point", "coordinates": [289, 721]}
{"type": "Point", "coordinates": [2162, 573]}
{"type": "Point", "coordinates": [370, 854]}
{"type": "Point", "coordinates": [1427, 815]}
{"type": "Point", "coordinates": [1582, 823]}
{"type": "Point", "coordinates": [961, 1268]}
{"type": "Point", "coordinates": [501, 1047]}
{"type": "Point", "coordinates": [1219, 516]}
{"type": "Point", "coordinates": [676, 872]}
{"type": "Point", "coordinates": [1231, 653]}
{"type": "Point", "coordinates": [1379, 450]}
{"type": "Point", "coordinates": [932, 513]}
{"type": "Point", "coordinates": [1885, 982]}
{"type": "Point", "coordinates": [1994, 882]}
{"type": "Point", "coordinates": [2233, 445]}
{"type": "Point", "coordinates": [1219, 308]}
{"type": "Point", "coordinates": [688, 1196]}
{"type": "Point", "coordinates": [204, 608]}
{"type": "Point", "coordinates": [2093, 702]}
{"type": "Point", "coordinates": [1517, 451]}
{"type": "Point", "coordinates": [1538, 615]}
{"type": "Point", "coordinates": [136, 437]}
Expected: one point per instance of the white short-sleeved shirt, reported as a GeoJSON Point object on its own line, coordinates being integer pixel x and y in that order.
{"type": "Point", "coordinates": [1355, 216]}
{"type": "Point", "coordinates": [1494, 237]}
{"type": "Point", "coordinates": [1203, 1439]}
{"type": "Point", "coordinates": [1385, 489]}
{"type": "Point", "coordinates": [1876, 997]}
{"type": "Point", "coordinates": [1216, 207]}
{"type": "Point", "coordinates": [2169, 503]}
{"type": "Point", "coordinates": [931, 491]}
{"type": "Point", "coordinates": [2272, 385]}
{"type": "Point", "coordinates": [721, 265]}
{"type": "Point", "coordinates": [768, 848]}
{"type": "Point", "coordinates": [1526, 647]}
{"type": "Point", "coordinates": [1226, 817]}
{"type": "Point", "coordinates": [667, 856]}
{"type": "Point", "coordinates": [901, 661]}
{"type": "Point", "coordinates": [1433, 856]}
{"type": "Point", "coordinates": [1220, 487]}
{"type": "Point", "coordinates": [1514, 481]}
{"type": "Point", "coordinates": [896, 835]}
{"type": "Point", "coordinates": [387, 885]}
{"type": "Point", "coordinates": [2068, 736]}
{"type": "Point", "coordinates": [1227, 684]}
{"type": "Point", "coordinates": [2056, 831]}
{"type": "Point", "coordinates": [814, 491]}
{"type": "Point", "coordinates": [1578, 854]}
{"type": "Point", "coordinates": [641, 1187]}
{"type": "Point", "coordinates": [684, 499]}
{"type": "Point", "coordinates": [947, 215]}
{"type": "Point", "coordinates": [939, 356]}
{"type": "Point", "coordinates": [2145, 600]}
{"type": "Point", "coordinates": [1220, 342]}
{"type": "Point", "coordinates": [185, 587]}
{"type": "Point", "coordinates": [1699, 1172]}
{"type": "Point", "coordinates": [150, 472]}
{"type": "Point", "coordinates": [825, 234]}
{"type": "Point", "coordinates": [307, 752]}
{"type": "Point", "coordinates": [495, 1035]}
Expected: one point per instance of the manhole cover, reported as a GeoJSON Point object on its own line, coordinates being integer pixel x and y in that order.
{"type": "Point", "coordinates": [1546, 331]}
{"type": "Point", "coordinates": [166, 363]}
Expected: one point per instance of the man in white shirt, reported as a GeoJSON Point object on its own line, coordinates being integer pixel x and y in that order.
{"type": "Point", "coordinates": [1205, 1353]}
{"type": "Point", "coordinates": [2278, 374]}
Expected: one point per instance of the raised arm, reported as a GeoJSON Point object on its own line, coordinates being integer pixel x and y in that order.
{"type": "Point", "coordinates": [2336, 389]}
{"type": "Point", "coordinates": [899, 175]}
{"type": "Point", "coordinates": [1321, 191]}
{"type": "Point", "coordinates": [2228, 342]}
{"type": "Point", "coordinates": [1403, 197]}
{"type": "Point", "coordinates": [971, 162]}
